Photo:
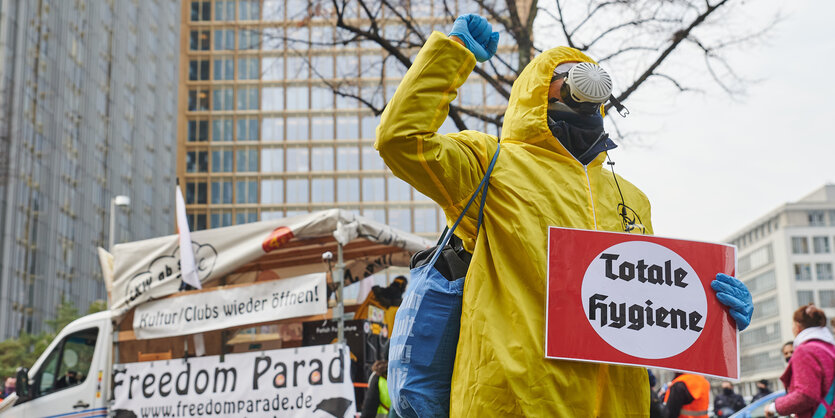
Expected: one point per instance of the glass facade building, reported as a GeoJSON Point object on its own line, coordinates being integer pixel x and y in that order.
{"type": "Point", "coordinates": [87, 112]}
{"type": "Point", "coordinates": [262, 134]}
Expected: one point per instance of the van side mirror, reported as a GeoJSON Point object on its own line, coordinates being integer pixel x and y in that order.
{"type": "Point", "coordinates": [21, 385]}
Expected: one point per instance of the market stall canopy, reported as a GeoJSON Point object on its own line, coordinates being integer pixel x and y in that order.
{"type": "Point", "coordinates": [282, 248]}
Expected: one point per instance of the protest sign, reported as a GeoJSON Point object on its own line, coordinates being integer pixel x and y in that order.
{"type": "Point", "coordinates": [294, 382]}
{"type": "Point", "coordinates": [229, 307]}
{"type": "Point", "coordinates": [639, 300]}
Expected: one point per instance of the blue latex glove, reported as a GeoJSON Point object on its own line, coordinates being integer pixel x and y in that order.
{"type": "Point", "coordinates": [732, 293]}
{"type": "Point", "coordinates": [477, 34]}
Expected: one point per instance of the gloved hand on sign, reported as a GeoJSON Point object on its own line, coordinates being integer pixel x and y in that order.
{"type": "Point", "coordinates": [735, 295]}
{"type": "Point", "coordinates": [477, 35]}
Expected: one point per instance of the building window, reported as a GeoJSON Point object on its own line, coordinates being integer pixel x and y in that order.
{"type": "Point", "coordinates": [225, 10]}
{"type": "Point", "coordinates": [224, 69]}
{"type": "Point", "coordinates": [297, 160]}
{"type": "Point", "coordinates": [817, 218]}
{"type": "Point", "coordinates": [221, 192]}
{"type": "Point", "coordinates": [297, 129]}
{"type": "Point", "coordinates": [297, 191]}
{"type": "Point", "coordinates": [755, 259]}
{"type": "Point", "coordinates": [827, 298]}
{"type": "Point", "coordinates": [800, 245]}
{"type": "Point", "coordinates": [322, 190]}
{"type": "Point", "coordinates": [272, 192]}
{"type": "Point", "coordinates": [222, 161]}
{"type": "Point", "coordinates": [198, 70]}
{"type": "Point", "coordinates": [247, 160]}
{"type": "Point", "coordinates": [272, 98]}
{"type": "Point", "coordinates": [197, 222]}
{"type": "Point", "coordinates": [248, 68]}
{"type": "Point", "coordinates": [222, 130]}
{"type": "Point", "coordinates": [199, 40]}
{"type": "Point", "coordinates": [400, 219]}
{"type": "Point", "coordinates": [348, 189]}
{"type": "Point", "coordinates": [322, 128]}
{"type": "Point", "coordinates": [222, 99]}
{"type": "Point", "coordinates": [249, 10]}
{"type": "Point", "coordinates": [272, 129]}
{"type": "Point", "coordinates": [247, 129]}
{"type": "Point", "coordinates": [426, 220]}
{"type": "Point", "coordinates": [824, 271]}
{"type": "Point", "coordinates": [245, 217]}
{"type": "Point", "coordinates": [248, 39]}
{"type": "Point", "coordinates": [322, 158]}
{"type": "Point", "coordinates": [201, 11]}
{"type": "Point", "coordinates": [297, 98]}
{"type": "Point", "coordinates": [196, 193]}
{"type": "Point", "coordinates": [272, 160]}
{"type": "Point", "coordinates": [805, 297]}
{"type": "Point", "coordinates": [371, 159]}
{"type": "Point", "coordinates": [224, 39]}
{"type": "Point", "coordinates": [273, 68]}
{"type": "Point", "coordinates": [398, 190]}
{"type": "Point", "coordinates": [198, 100]}
{"type": "Point", "coordinates": [198, 131]}
{"type": "Point", "coordinates": [378, 215]}
{"type": "Point", "coordinates": [760, 335]}
{"type": "Point", "coordinates": [802, 272]}
{"type": "Point", "coordinates": [762, 282]}
{"type": "Point", "coordinates": [373, 189]}
{"type": "Point", "coordinates": [248, 98]}
{"type": "Point", "coordinates": [197, 161]}
{"type": "Point", "coordinates": [347, 127]}
{"type": "Point", "coordinates": [347, 158]}
{"type": "Point", "coordinates": [766, 308]}
{"type": "Point", "coordinates": [820, 245]}
{"type": "Point", "coordinates": [221, 218]}
{"type": "Point", "coordinates": [246, 191]}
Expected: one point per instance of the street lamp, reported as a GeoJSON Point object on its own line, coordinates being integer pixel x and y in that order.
{"type": "Point", "coordinates": [116, 201]}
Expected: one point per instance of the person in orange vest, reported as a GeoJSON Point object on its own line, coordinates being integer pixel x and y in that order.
{"type": "Point", "coordinates": [377, 403]}
{"type": "Point", "coordinates": [687, 396]}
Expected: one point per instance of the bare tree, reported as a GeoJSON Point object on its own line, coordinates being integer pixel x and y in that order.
{"type": "Point", "coordinates": [640, 41]}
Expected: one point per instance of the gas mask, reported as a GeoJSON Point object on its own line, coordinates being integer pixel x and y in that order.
{"type": "Point", "coordinates": [585, 88]}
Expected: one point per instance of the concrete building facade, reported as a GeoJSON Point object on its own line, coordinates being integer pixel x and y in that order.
{"type": "Point", "coordinates": [786, 259]}
{"type": "Point", "coordinates": [87, 112]}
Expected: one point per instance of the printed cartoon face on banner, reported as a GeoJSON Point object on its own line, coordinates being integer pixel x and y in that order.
{"type": "Point", "coordinates": [638, 292]}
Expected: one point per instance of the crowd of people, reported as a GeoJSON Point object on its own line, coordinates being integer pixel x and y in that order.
{"type": "Point", "coordinates": [809, 380]}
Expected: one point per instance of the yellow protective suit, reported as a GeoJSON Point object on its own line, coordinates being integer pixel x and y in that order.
{"type": "Point", "coordinates": [500, 369]}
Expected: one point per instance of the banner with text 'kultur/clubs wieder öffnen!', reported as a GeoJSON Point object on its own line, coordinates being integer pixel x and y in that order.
{"type": "Point", "coordinates": [232, 306]}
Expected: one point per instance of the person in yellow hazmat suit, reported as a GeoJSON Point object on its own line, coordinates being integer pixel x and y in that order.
{"type": "Point", "coordinates": [386, 299]}
{"type": "Point", "coordinates": [550, 173]}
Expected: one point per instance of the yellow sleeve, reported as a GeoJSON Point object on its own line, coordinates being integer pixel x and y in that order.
{"type": "Point", "coordinates": [446, 168]}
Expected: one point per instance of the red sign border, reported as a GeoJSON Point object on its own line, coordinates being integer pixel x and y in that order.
{"type": "Point", "coordinates": [649, 363]}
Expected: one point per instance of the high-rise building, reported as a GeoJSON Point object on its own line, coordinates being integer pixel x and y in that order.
{"type": "Point", "coordinates": [87, 112]}
{"type": "Point", "coordinates": [262, 134]}
{"type": "Point", "coordinates": [785, 258]}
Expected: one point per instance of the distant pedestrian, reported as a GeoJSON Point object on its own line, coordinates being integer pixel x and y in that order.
{"type": "Point", "coordinates": [727, 402]}
{"type": "Point", "coordinates": [655, 405]}
{"type": "Point", "coordinates": [810, 375]}
{"type": "Point", "coordinates": [377, 402]}
{"type": "Point", "coordinates": [788, 349]}
{"type": "Point", "coordinates": [9, 387]}
{"type": "Point", "coordinates": [762, 390]}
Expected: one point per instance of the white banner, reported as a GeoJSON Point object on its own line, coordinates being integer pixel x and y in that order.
{"type": "Point", "coordinates": [224, 308]}
{"type": "Point", "coordinates": [294, 382]}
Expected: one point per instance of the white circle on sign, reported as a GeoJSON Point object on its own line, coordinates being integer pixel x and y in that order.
{"type": "Point", "coordinates": [625, 313]}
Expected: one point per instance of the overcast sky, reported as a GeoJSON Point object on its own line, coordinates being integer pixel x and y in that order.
{"type": "Point", "coordinates": [711, 164]}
